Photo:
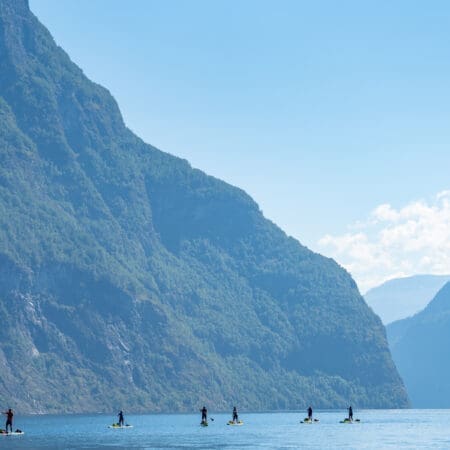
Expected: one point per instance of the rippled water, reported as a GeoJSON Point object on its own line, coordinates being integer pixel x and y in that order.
{"type": "Point", "coordinates": [379, 429]}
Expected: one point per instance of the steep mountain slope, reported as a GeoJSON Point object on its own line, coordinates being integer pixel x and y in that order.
{"type": "Point", "coordinates": [402, 297]}
{"type": "Point", "coordinates": [129, 279]}
{"type": "Point", "coordinates": [420, 347]}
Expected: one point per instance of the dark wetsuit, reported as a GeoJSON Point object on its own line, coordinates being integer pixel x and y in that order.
{"type": "Point", "coordinates": [9, 420]}
{"type": "Point", "coordinates": [120, 418]}
{"type": "Point", "coordinates": [310, 413]}
{"type": "Point", "coordinates": [204, 414]}
{"type": "Point", "coordinates": [235, 415]}
{"type": "Point", "coordinates": [350, 413]}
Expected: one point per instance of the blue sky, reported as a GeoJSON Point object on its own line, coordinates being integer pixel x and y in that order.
{"type": "Point", "coordinates": [323, 111]}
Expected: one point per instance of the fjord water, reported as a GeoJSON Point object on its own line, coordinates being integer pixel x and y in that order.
{"type": "Point", "coordinates": [379, 429]}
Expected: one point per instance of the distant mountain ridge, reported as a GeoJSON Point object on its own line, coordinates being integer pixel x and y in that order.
{"type": "Point", "coordinates": [420, 347]}
{"type": "Point", "coordinates": [130, 280]}
{"type": "Point", "coordinates": [402, 297]}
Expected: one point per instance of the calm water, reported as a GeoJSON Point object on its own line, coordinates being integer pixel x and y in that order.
{"type": "Point", "coordinates": [392, 429]}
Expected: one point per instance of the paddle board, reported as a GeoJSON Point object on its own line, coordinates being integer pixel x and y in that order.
{"type": "Point", "coordinates": [350, 421]}
{"type": "Point", "coordinates": [306, 420]}
{"type": "Point", "coordinates": [230, 422]}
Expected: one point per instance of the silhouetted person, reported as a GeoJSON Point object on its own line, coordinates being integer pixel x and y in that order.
{"type": "Point", "coordinates": [120, 418]}
{"type": "Point", "coordinates": [310, 413]}
{"type": "Point", "coordinates": [9, 419]}
{"type": "Point", "coordinates": [350, 414]}
{"type": "Point", "coordinates": [204, 414]}
{"type": "Point", "coordinates": [235, 415]}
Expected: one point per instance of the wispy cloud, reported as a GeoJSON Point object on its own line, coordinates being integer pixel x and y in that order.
{"type": "Point", "coordinates": [395, 242]}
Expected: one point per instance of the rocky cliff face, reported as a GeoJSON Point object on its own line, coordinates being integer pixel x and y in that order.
{"type": "Point", "coordinates": [129, 279]}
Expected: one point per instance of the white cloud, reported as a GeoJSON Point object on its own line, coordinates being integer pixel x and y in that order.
{"type": "Point", "coordinates": [395, 242]}
{"type": "Point", "coordinates": [385, 212]}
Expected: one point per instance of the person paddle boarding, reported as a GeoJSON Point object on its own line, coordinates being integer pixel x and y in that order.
{"type": "Point", "coordinates": [235, 415]}
{"type": "Point", "coordinates": [121, 421]}
{"type": "Point", "coordinates": [9, 420]}
{"type": "Point", "coordinates": [350, 414]}
{"type": "Point", "coordinates": [310, 411]}
{"type": "Point", "coordinates": [204, 412]}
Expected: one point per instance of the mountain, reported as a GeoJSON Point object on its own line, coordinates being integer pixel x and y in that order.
{"type": "Point", "coordinates": [402, 297]}
{"type": "Point", "coordinates": [420, 347]}
{"type": "Point", "coordinates": [129, 279]}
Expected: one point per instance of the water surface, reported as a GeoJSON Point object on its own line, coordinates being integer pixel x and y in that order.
{"type": "Point", "coordinates": [379, 429]}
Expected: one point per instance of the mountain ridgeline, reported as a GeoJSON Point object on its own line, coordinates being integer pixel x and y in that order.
{"type": "Point", "coordinates": [129, 279]}
{"type": "Point", "coordinates": [403, 297]}
{"type": "Point", "coordinates": [420, 347]}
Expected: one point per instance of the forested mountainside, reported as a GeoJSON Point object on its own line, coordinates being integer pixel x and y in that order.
{"type": "Point", "coordinates": [420, 347]}
{"type": "Point", "coordinates": [129, 279]}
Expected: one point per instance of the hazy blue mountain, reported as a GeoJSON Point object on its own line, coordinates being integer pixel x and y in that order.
{"type": "Point", "coordinates": [402, 297]}
{"type": "Point", "coordinates": [421, 347]}
{"type": "Point", "coordinates": [129, 279]}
